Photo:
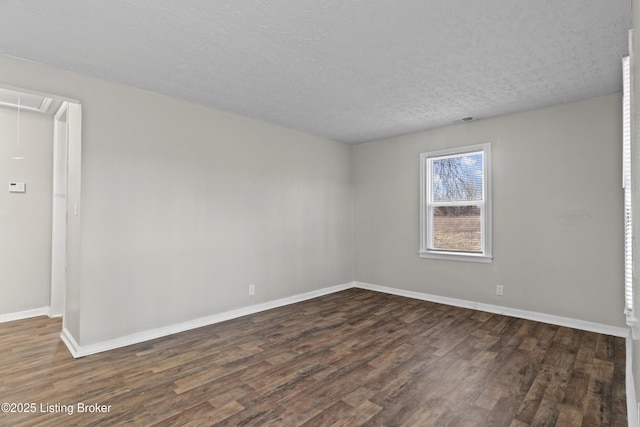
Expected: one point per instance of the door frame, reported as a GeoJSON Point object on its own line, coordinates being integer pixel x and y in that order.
{"type": "Point", "coordinates": [59, 211]}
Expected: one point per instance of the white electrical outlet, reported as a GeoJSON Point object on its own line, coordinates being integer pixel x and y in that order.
{"type": "Point", "coordinates": [252, 289]}
{"type": "Point", "coordinates": [499, 290]}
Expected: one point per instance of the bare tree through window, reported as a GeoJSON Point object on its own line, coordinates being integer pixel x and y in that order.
{"type": "Point", "coordinates": [456, 179]}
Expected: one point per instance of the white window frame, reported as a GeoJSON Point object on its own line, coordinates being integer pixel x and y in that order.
{"type": "Point", "coordinates": [426, 204]}
{"type": "Point", "coordinates": [627, 183]}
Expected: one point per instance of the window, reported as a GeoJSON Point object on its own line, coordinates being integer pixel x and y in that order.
{"type": "Point", "coordinates": [455, 204]}
{"type": "Point", "coordinates": [627, 185]}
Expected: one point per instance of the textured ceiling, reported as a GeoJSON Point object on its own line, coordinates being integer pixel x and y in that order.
{"type": "Point", "coordinates": [347, 70]}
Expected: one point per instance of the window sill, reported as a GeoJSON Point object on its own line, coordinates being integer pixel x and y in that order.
{"type": "Point", "coordinates": [456, 256]}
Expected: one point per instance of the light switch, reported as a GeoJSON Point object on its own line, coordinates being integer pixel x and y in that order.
{"type": "Point", "coordinates": [17, 187]}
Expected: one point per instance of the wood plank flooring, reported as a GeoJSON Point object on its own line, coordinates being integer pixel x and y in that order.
{"type": "Point", "coordinates": [347, 359]}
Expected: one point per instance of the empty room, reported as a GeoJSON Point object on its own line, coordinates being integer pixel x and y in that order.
{"type": "Point", "coordinates": [315, 213]}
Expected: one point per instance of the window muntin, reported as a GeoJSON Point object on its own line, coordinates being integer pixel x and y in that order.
{"type": "Point", "coordinates": [455, 204]}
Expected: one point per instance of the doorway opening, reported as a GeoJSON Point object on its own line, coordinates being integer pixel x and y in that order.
{"type": "Point", "coordinates": [25, 159]}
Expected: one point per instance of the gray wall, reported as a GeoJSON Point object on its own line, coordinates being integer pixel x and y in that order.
{"type": "Point", "coordinates": [183, 207]}
{"type": "Point", "coordinates": [25, 219]}
{"type": "Point", "coordinates": [557, 213]}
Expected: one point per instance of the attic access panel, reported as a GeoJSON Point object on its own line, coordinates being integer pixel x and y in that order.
{"type": "Point", "coordinates": [26, 101]}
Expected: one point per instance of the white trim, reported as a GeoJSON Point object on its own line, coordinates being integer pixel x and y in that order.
{"type": "Point", "coordinates": [627, 184]}
{"type": "Point", "coordinates": [506, 311]}
{"type": "Point", "coordinates": [10, 317]}
{"type": "Point", "coordinates": [632, 405]}
{"type": "Point", "coordinates": [633, 326]}
{"type": "Point", "coordinates": [71, 343]}
{"type": "Point", "coordinates": [455, 256]}
{"type": "Point", "coordinates": [78, 350]}
{"type": "Point", "coordinates": [46, 103]}
{"type": "Point", "coordinates": [58, 282]}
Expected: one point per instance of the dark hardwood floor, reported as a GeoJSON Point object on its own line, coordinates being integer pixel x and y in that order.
{"type": "Point", "coordinates": [348, 359]}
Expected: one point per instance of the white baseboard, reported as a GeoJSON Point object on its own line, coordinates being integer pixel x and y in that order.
{"type": "Point", "coordinates": [78, 350]}
{"type": "Point", "coordinates": [513, 312]}
{"type": "Point", "coordinates": [70, 342]}
{"type": "Point", "coordinates": [42, 311]}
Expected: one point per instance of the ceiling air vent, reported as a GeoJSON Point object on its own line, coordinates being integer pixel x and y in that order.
{"type": "Point", "coordinates": [465, 119]}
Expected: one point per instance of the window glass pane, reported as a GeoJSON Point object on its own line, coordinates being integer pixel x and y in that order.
{"type": "Point", "coordinates": [457, 178]}
{"type": "Point", "coordinates": [457, 228]}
